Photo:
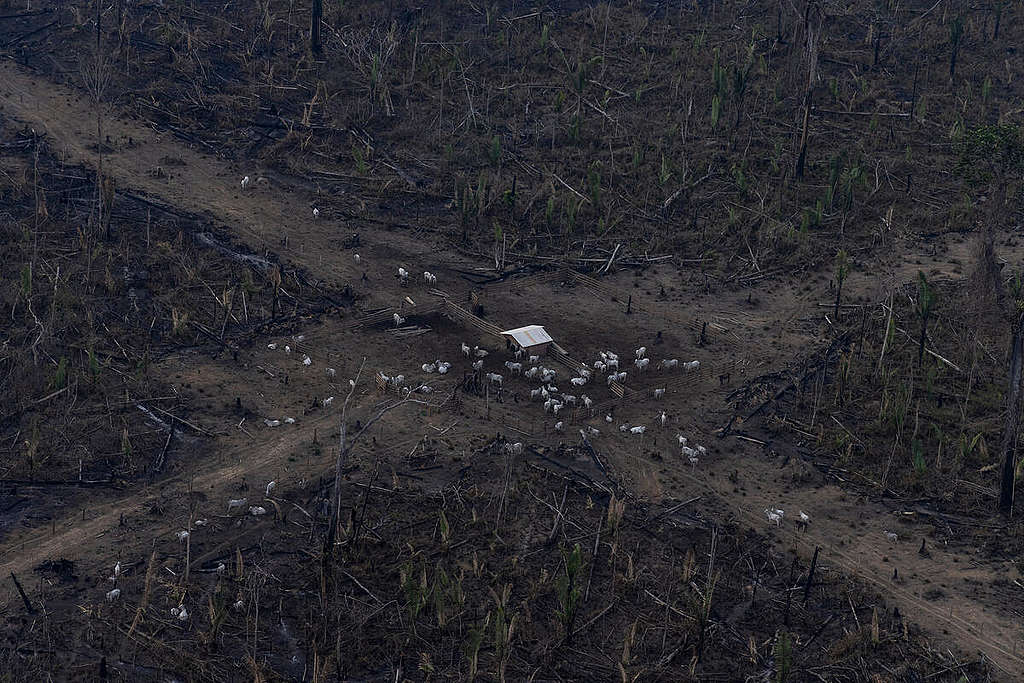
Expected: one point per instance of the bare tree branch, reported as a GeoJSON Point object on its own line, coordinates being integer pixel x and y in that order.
{"type": "Point", "coordinates": [345, 443]}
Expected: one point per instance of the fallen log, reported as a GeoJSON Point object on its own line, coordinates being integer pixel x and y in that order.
{"type": "Point", "coordinates": [21, 592]}
{"type": "Point", "coordinates": [258, 262]}
{"type": "Point", "coordinates": [42, 483]}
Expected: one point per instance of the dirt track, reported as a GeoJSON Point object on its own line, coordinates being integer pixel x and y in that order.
{"type": "Point", "coordinates": [849, 531]}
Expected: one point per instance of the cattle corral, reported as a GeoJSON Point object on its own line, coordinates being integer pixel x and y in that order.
{"type": "Point", "coordinates": [224, 247]}
{"type": "Point", "coordinates": [677, 382]}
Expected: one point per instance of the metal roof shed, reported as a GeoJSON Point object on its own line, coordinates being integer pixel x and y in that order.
{"type": "Point", "coordinates": [530, 338]}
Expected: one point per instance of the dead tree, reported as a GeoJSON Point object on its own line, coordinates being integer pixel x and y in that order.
{"type": "Point", "coordinates": [956, 36]}
{"type": "Point", "coordinates": [345, 445]}
{"type": "Point", "coordinates": [925, 304]}
{"type": "Point", "coordinates": [96, 77]}
{"type": "Point", "coordinates": [814, 20]}
{"type": "Point", "coordinates": [275, 281]}
{"type": "Point", "coordinates": [877, 44]}
{"type": "Point", "coordinates": [1010, 427]}
{"type": "Point", "coordinates": [842, 270]}
{"type": "Point", "coordinates": [314, 27]}
{"type": "Point", "coordinates": [993, 157]}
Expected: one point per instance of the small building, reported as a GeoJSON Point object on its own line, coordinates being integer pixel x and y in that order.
{"type": "Point", "coordinates": [531, 338]}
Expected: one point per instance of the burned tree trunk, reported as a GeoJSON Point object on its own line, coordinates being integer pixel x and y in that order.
{"type": "Point", "coordinates": [314, 27]}
{"type": "Point", "coordinates": [921, 340]}
{"type": "Point", "coordinates": [813, 22]}
{"type": "Point", "coordinates": [802, 158]}
{"type": "Point", "coordinates": [842, 270]}
{"type": "Point", "coordinates": [956, 35]}
{"type": "Point", "coordinates": [1010, 427]}
{"type": "Point", "coordinates": [925, 304]}
{"type": "Point", "coordinates": [106, 204]}
{"type": "Point", "coordinates": [275, 282]}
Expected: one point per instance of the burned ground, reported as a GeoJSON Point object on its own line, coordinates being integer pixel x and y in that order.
{"type": "Point", "coordinates": [627, 175]}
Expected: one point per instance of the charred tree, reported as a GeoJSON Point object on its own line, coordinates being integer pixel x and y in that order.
{"type": "Point", "coordinates": [316, 17]}
{"type": "Point", "coordinates": [956, 35]}
{"type": "Point", "coordinates": [842, 270]}
{"type": "Point", "coordinates": [992, 157]}
{"type": "Point", "coordinates": [925, 304]}
{"type": "Point", "coordinates": [1012, 423]}
{"type": "Point", "coordinates": [814, 19]}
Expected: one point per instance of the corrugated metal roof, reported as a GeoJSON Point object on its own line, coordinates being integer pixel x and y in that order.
{"type": "Point", "coordinates": [530, 335]}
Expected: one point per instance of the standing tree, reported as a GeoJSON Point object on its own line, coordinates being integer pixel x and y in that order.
{"type": "Point", "coordinates": [992, 158]}
{"type": "Point", "coordinates": [740, 81]}
{"type": "Point", "coordinates": [569, 592]}
{"type": "Point", "coordinates": [1013, 392]}
{"type": "Point", "coordinates": [956, 37]}
{"type": "Point", "coordinates": [814, 20]}
{"type": "Point", "coordinates": [925, 304]}
{"type": "Point", "coordinates": [345, 444]}
{"type": "Point", "coordinates": [96, 77]}
{"type": "Point", "coordinates": [842, 270]}
{"type": "Point", "coordinates": [316, 17]}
